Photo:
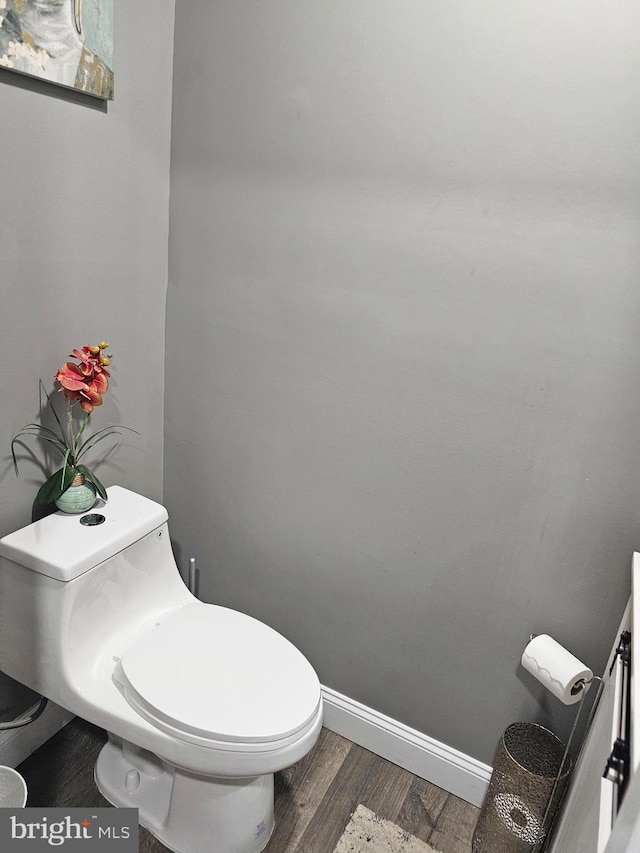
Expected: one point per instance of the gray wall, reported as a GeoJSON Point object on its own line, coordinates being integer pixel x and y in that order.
{"type": "Point", "coordinates": [83, 254]}
{"type": "Point", "coordinates": [403, 361]}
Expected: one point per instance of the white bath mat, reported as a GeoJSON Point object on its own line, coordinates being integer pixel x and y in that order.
{"type": "Point", "coordinates": [366, 832]}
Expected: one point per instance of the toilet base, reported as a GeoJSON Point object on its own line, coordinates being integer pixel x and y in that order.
{"type": "Point", "coordinates": [188, 813]}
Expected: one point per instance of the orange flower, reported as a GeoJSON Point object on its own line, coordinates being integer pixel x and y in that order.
{"type": "Point", "coordinates": [87, 396]}
{"type": "Point", "coordinates": [70, 377]}
{"type": "Point", "coordinates": [84, 383]}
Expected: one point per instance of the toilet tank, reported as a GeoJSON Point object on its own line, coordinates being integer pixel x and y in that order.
{"type": "Point", "coordinates": [72, 593]}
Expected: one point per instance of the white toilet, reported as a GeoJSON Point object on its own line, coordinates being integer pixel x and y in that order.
{"type": "Point", "coordinates": [202, 704]}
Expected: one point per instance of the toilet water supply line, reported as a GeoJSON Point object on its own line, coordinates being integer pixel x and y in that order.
{"type": "Point", "coordinates": [32, 714]}
{"type": "Point", "coordinates": [192, 576]}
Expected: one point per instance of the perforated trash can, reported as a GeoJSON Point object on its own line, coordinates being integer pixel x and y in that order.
{"type": "Point", "coordinates": [523, 796]}
{"type": "Point", "coordinates": [13, 789]}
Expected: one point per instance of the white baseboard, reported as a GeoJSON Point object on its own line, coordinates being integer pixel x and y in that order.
{"type": "Point", "coordinates": [423, 756]}
{"type": "Point", "coordinates": [18, 744]}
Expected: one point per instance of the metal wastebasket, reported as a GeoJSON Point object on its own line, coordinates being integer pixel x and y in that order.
{"type": "Point", "coordinates": [13, 789]}
{"type": "Point", "coordinates": [529, 775]}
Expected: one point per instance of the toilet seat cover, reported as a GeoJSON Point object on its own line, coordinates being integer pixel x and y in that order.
{"type": "Point", "coordinates": [218, 674]}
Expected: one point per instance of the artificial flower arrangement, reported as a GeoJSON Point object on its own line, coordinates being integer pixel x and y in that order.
{"type": "Point", "coordinates": [84, 384]}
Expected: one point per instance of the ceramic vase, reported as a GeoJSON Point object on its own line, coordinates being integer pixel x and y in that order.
{"type": "Point", "coordinates": [79, 497]}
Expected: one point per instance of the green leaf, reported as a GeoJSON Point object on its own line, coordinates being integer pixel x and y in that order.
{"type": "Point", "coordinates": [89, 475]}
{"type": "Point", "coordinates": [59, 442]}
{"type": "Point", "coordinates": [106, 432]}
{"type": "Point", "coordinates": [55, 485]}
{"type": "Point", "coordinates": [55, 414]}
{"type": "Point", "coordinates": [42, 432]}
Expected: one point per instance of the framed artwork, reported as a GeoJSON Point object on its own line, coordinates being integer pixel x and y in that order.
{"type": "Point", "coordinates": [68, 42]}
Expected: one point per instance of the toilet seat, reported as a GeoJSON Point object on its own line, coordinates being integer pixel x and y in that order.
{"type": "Point", "coordinates": [216, 677]}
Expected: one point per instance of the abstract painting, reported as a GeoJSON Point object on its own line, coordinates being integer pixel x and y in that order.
{"type": "Point", "coordinates": [68, 42]}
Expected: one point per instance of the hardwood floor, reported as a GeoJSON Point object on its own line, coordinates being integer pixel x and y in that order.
{"type": "Point", "coordinates": [313, 799]}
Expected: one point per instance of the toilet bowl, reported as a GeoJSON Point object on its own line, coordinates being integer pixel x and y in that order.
{"type": "Point", "coordinates": [202, 704]}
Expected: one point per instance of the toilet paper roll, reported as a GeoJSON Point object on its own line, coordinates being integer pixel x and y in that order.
{"type": "Point", "coordinates": [560, 672]}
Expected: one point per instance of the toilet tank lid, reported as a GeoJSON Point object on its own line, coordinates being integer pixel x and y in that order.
{"type": "Point", "coordinates": [61, 547]}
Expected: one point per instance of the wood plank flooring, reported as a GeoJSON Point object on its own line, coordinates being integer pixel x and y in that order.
{"type": "Point", "coordinates": [314, 799]}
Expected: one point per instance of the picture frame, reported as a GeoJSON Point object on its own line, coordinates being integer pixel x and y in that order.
{"type": "Point", "coordinates": [66, 42]}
